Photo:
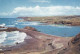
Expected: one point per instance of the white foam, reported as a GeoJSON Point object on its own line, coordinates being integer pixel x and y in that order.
{"type": "Point", "coordinates": [16, 23]}
{"type": "Point", "coordinates": [62, 26]}
{"type": "Point", "coordinates": [31, 23]}
{"type": "Point", "coordinates": [17, 36]}
{"type": "Point", "coordinates": [10, 25]}
{"type": "Point", "coordinates": [34, 23]}
{"type": "Point", "coordinates": [2, 24]}
{"type": "Point", "coordinates": [14, 36]}
{"type": "Point", "coordinates": [3, 36]}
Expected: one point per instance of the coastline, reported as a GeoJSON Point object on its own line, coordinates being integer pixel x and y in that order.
{"type": "Point", "coordinates": [38, 43]}
{"type": "Point", "coordinates": [59, 20]}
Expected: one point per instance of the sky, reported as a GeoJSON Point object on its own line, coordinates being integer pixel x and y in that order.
{"type": "Point", "coordinates": [16, 8]}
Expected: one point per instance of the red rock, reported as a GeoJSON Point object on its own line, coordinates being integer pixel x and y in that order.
{"type": "Point", "coordinates": [9, 29]}
{"type": "Point", "coordinates": [30, 28]}
{"type": "Point", "coordinates": [12, 29]}
{"type": "Point", "coordinates": [2, 27]}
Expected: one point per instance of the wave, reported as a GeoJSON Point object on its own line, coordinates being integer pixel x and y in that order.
{"type": "Point", "coordinates": [62, 26]}
{"type": "Point", "coordinates": [12, 37]}
{"type": "Point", "coordinates": [3, 36]}
{"type": "Point", "coordinates": [16, 36]}
{"type": "Point", "coordinates": [10, 25]}
{"type": "Point", "coordinates": [3, 24]}
{"type": "Point", "coordinates": [16, 23]}
{"type": "Point", "coordinates": [30, 23]}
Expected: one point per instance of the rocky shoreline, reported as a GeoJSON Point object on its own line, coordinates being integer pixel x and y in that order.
{"type": "Point", "coordinates": [60, 20]}
{"type": "Point", "coordinates": [41, 43]}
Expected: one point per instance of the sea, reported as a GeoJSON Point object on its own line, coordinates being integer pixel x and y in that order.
{"type": "Point", "coordinates": [58, 30]}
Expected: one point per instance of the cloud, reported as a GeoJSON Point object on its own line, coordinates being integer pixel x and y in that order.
{"type": "Point", "coordinates": [44, 11]}
{"type": "Point", "coordinates": [41, 1]}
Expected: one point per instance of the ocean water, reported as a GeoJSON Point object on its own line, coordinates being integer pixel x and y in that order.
{"type": "Point", "coordinates": [11, 38]}
{"type": "Point", "coordinates": [58, 30]}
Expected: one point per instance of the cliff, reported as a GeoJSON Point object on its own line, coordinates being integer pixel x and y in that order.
{"type": "Point", "coordinates": [73, 46]}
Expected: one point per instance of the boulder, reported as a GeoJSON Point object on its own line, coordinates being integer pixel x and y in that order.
{"type": "Point", "coordinates": [73, 46]}
{"type": "Point", "coordinates": [30, 28]}
{"type": "Point", "coordinates": [75, 40]}
{"type": "Point", "coordinates": [2, 27]}
{"type": "Point", "coordinates": [12, 29]}
{"type": "Point", "coordinates": [9, 29]}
